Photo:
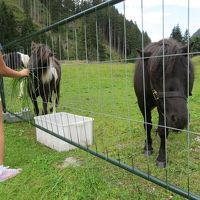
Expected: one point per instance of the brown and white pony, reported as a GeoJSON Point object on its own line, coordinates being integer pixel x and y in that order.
{"type": "Point", "coordinates": [45, 76]}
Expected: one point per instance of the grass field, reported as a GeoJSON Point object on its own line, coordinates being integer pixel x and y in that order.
{"type": "Point", "coordinates": [104, 92]}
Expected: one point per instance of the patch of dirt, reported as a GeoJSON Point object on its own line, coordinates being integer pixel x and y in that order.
{"type": "Point", "coordinates": [70, 162]}
{"type": "Point", "coordinates": [197, 139]}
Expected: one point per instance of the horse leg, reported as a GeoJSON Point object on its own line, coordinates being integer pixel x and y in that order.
{"type": "Point", "coordinates": [32, 94]}
{"type": "Point", "coordinates": [51, 102]}
{"type": "Point", "coordinates": [148, 149]}
{"type": "Point", "coordinates": [57, 92]}
{"type": "Point", "coordinates": [54, 103]}
{"type": "Point", "coordinates": [54, 97]}
{"type": "Point", "coordinates": [44, 110]}
{"type": "Point", "coordinates": [45, 99]}
{"type": "Point", "coordinates": [161, 159]}
{"type": "Point", "coordinates": [35, 104]}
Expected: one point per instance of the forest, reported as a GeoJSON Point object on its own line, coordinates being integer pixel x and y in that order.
{"type": "Point", "coordinates": [20, 17]}
{"type": "Point", "coordinates": [102, 30]}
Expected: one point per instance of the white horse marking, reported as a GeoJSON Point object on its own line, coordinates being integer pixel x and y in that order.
{"type": "Point", "coordinates": [50, 73]}
{"type": "Point", "coordinates": [25, 58]}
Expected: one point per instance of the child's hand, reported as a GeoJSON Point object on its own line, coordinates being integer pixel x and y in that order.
{"type": "Point", "coordinates": [24, 72]}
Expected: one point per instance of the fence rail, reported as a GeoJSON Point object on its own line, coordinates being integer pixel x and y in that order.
{"type": "Point", "coordinates": [117, 162]}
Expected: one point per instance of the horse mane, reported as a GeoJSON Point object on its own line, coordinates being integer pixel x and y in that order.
{"type": "Point", "coordinates": [44, 53]}
{"type": "Point", "coordinates": [175, 60]}
{"type": "Point", "coordinates": [171, 48]}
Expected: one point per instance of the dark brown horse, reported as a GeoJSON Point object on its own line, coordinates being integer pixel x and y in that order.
{"type": "Point", "coordinates": [171, 103]}
{"type": "Point", "coordinates": [45, 76]}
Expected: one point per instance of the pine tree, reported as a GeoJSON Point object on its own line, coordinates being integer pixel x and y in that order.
{"type": "Point", "coordinates": [186, 37]}
{"type": "Point", "coordinates": [68, 8]}
{"type": "Point", "coordinates": [176, 33]}
{"type": "Point", "coordinates": [8, 25]}
{"type": "Point", "coordinates": [96, 2]}
{"type": "Point", "coordinates": [26, 6]}
{"type": "Point", "coordinates": [26, 29]}
{"type": "Point", "coordinates": [55, 10]}
{"type": "Point", "coordinates": [196, 46]}
{"type": "Point", "coordinates": [146, 39]}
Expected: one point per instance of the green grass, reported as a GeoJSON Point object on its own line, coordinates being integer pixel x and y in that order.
{"type": "Point", "coordinates": [104, 92]}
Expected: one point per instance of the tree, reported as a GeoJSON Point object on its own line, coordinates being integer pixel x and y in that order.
{"type": "Point", "coordinates": [68, 8]}
{"type": "Point", "coordinates": [186, 37]}
{"type": "Point", "coordinates": [26, 6]}
{"type": "Point", "coordinates": [26, 29]}
{"type": "Point", "coordinates": [8, 25]}
{"type": "Point", "coordinates": [60, 9]}
{"type": "Point", "coordinates": [196, 46]}
{"type": "Point", "coordinates": [105, 25]}
{"type": "Point", "coordinates": [27, 26]}
{"type": "Point", "coordinates": [176, 33]}
{"type": "Point", "coordinates": [147, 40]}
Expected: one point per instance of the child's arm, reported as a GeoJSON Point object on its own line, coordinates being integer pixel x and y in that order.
{"type": "Point", "coordinates": [6, 71]}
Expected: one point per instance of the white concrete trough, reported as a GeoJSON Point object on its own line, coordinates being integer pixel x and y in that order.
{"type": "Point", "coordinates": [73, 127]}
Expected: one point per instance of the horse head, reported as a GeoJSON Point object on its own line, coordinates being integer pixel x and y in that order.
{"type": "Point", "coordinates": [39, 58]}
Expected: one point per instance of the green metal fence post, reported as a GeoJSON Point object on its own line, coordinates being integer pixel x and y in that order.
{"type": "Point", "coordinates": [117, 163]}
{"type": "Point", "coordinates": [2, 94]}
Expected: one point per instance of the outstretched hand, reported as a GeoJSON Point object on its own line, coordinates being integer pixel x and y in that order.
{"type": "Point", "coordinates": [24, 72]}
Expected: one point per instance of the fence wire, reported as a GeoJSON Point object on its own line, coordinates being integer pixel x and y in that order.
{"type": "Point", "coordinates": [97, 110]}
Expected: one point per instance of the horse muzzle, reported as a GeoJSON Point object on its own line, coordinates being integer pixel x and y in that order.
{"type": "Point", "coordinates": [177, 122]}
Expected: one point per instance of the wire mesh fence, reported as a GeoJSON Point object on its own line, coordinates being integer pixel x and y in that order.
{"type": "Point", "coordinates": [97, 84]}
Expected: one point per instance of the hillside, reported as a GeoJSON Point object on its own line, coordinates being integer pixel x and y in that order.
{"type": "Point", "coordinates": [197, 33]}
{"type": "Point", "coordinates": [18, 20]}
{"type": "Point", "coordinates": [31, 17]}
{"type": "Point", "coordinates": [37, 11]}
{"type": "Point", "coordinates": [18, 11]}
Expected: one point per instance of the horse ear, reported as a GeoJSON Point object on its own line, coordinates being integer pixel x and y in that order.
{"type": "Point", "coordinates": [139, 52]}
{"type": "Point", "coordinates": [184, 49]}
{"type": "Point", "coordinates": [146, 54]}
{"type": "Point", "coordinates": [33, 44]}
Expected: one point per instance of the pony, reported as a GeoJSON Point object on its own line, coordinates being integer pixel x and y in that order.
{"type": "Point", "coordinates": [171, 103]}
{"type": "Point", "coordinates": [45, 76]}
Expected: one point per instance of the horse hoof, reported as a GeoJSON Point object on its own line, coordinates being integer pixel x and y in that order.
{"type": "Point", "coordinates": [148, 153]}
{"type": "Point", "coordinates": [161, 164]}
